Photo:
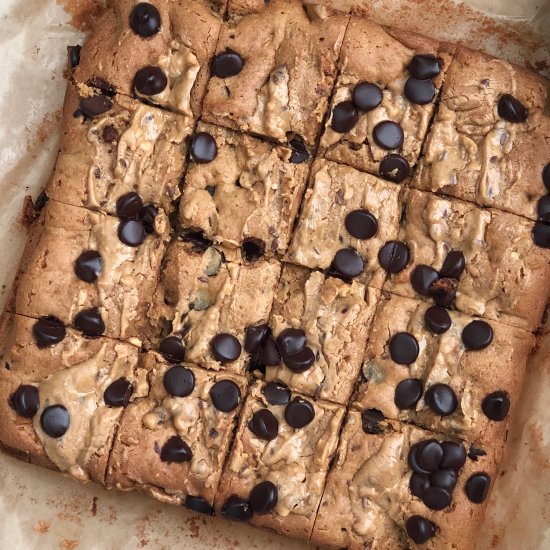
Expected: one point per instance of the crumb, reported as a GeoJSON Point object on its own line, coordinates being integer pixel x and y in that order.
{"type": "Point", "coordinates": [42, 526]}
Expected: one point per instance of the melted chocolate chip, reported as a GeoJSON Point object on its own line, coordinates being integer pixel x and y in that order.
{"type": "Point", "coordinates": [197, 239]}
{"type": "Point", "coordinates": [73, 53]}
{"type": "Point", "coordinates": [252, 249]}
{"type": "Point", "coordinates": [437, 498]}
{"type": "Point", "coordinates": [198, 504]}
{"type": "Point", "coordinates": [150, 81]}
{"type": "Point", "coordinates": [128, 206]}
{"type": "Point", "coordinates": [299, 151]}
{"type": "Point", "coordinates": [172, 349]}
{"type": "Point", "coordinates": [95, 106]}
{"type": "Point", "coordinates": [370, 421]}
{"type": "Point", "coordinates": [225, 347]}
{"type": "Point", "coordinates": [454, 455]}
{"type": "Point", "coordinates": [496, 406]}
{"type": "Point", "coordinates": [236, 508]}
{"type": "Point", "coordinates": [254, 337]}
{"type": "Point", "coordinates": [88, 265]}
{"type": "Point", "coordinates": [477, 487]}
{"type": "Point", "coordinates": [443, 291]}
{"type": "Point", "coordinates": [263, 497]}
{"type": "Point", "coordinates": [179, 381]}
{"type": "Point", "coordinates": [291, 340]}
{"type": "Point", "coordinates": [344, 117]}
{"type": "Point", "coordinates": [424, 66]}
{"type": "Point", "coordinates": [444, 478]}
{"type": "Point", "coordinates": [227, 64]}
{"type": "Point", "coordinates": [388, 135]}
{"type": "Point", "coordinates": [437, 319]}
{"type": "Point", "coordinates": [403, 348]}
{"type": "Point", "coordinates": [395, 167]}
{"type": "Point", "coordinates": [441, 399]}
{"type": "Point", "coordinates": [300, 361]}
{"type": "Point", "coordinates": [420, 529]}
{"type": "Point", "coordinates": [145, 20]}
{"type": "Point", "coordinates": [474, 453]}
{"type": "Point", "coordinates": [453, 266]}
{"type": "Point", "coordinates": [176, 450]}
{"type": "Point", "coordinates": [367, 96]}
{"type": "Point", "coordinates": [264, 425]}
{"type": "Point", "coordinates": [118, 393]}
{"type": "Point", "coordinates": [477, 335]}
{"type": "Point", "coordinates": [419, 484]}
{"type": "Point", "coordinates": [361, 224]}
{"type": "Point", "coordinates": [541, 234]}
{"type": "Point", "coordinates": [203, 148]}
{"type": "Point", "coordinates": [422, 278]}
{"type": "Point", "coordinates": [511, 109]}
{"type": "Point", "coordinates": [299, 413]}
{"type": "Point", "coordinates": [48, 331]}
{"type": "Point", "coordinates": [269, 354]}
{"type": "Point", "coordinates": [347, 264]}
{"type": "Point", "coordinates": [55, 421]}
{"type": "Point", "coordinates": [276, 393]}
{"type": "Point", "coordinates": [25, 401]}
{"type": "Point", "coordinates": [420, 92]}
{"type": "Point", "coordinates": [147, 216]}
{"type": "Point", "coordinates": [110, 134]}
{"type": "Point", "coordinates": [407, 393]}
{"type": "Point", "coordinates": [225, 395]}
{"type": "Point", "coordinates": [394, 256]}
{"type": "Point", "coordinates": [131, 232]}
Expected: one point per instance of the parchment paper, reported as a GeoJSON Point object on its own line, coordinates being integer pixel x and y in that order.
{"type": "Point", "coordinates": [44, 510]}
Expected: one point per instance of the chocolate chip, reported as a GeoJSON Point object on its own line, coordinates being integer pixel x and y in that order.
{"type": "Point", "coordinates": [474, 453]}
{"type": "Point", "coordinates": [263, 497]}
{"type": "Point", "coordinates": [388, 135]}
{"type": "Point", "coordinates": [436, 498]}
{"type": "Point", "coordinates": [443, 292]}
{"type": "Point", "coordinates": [419, 484]}
{"type": "Point", "coordinates": [394, 256]}
{"type": "Point", "coordinates": [422, 277]}
{"type": "Point", "coordinates": [118, 393]}
{"type": "Point", "coordinates": [252, 249]}
{"type": "Point", "coordinates": [367, 96]}
{"type": "Point", "coordinates": [269, 354]}
{"type": "Point", "coordinates": [437, 319]}
{"type": "Point", "coordinates": [179, 381]}
{"type": "Point", "coordinates": [264, 425]}
{"type": "Point", "coordinates": [370, 421]}
{"type": "Point", "coordinates": [299, 413]}
{"type": "Point", "coordinates": [420, 92]}
{"type": "Point", "coordinates": [425, 457]}
{"type": "Point", "coordinates": [454, 455]}
{"type": "Point", "coordinates": [254, 337]}
{"type": "Point", "coordinates": [25, 401]}
{"type": "Point", "coordinates": [546, 176]}
{"type": "Point", "coordinates": [407, 393]}
{"type": "Point", "coordinates": [477, 335]}
{"type": "Point", "coordinates": [344, 117]}
{"type": "Point", "coordinates": [131, 232]}
{"type": "Point", "coordinates": [89, 321]}
{"type": "Point", "coordinates": [420, 529]}
{"type": "Point", "coordinates": [110, 134]}
{"type": "Point", "coordinates": [225, 347]}
{"type": "Point", "coordinates": [95, 106]}
{"type": "Point", "coordinates": [403, 348]}
{"type": "Point", "coordinates": [511, 109]}
{"type": "Point", "coordinates": [88, 265]}
{"type": "Point", "coordinates": [361, 224]}
{"type": "Point", "coordinates": [347, 264]}
{"type": "Point", "coordinates": [227, 64]}
{"type": "Point", "coordinates": [73, 53]}
{"type": "Point", "coordinates": [299, 151]}
{"type": "Point", "coordinates": [441, 399]}
{"type": "Point", "coordinates": [150, 81]}
{"type": "Point", "coordinates": [276, 393]}
{"type": "Point", "coordinates": [55, 420]}
{"type": "Point", "coordinates": [541, 234]}
{"type": "Point", "coordinates": [147, 216]}
{"type": "Point", "coordinates": [48, 331]}
{"type": "Point", "coordinates": [424, 66]}
{"type": "Point", "coordinates": [291, 340]}
{"type": "Point", "coordinates": [197, 239]}
{"type": "Point", "coordinates": [300, 361]}
{"type": "Point", "coordinates": [102, 85]}
{"type": "Point", "coordinates": [477, 487]}
{"type": "Point", "coordinates": [172, 349]}
{"type": "Point", "coordinates": [41, 201]}
{"type": "Point", "coordinates": [203, 148]}
{"type": "Point", "coordinates": [198, 504]}
{"type": "Point", "coordinates": [176, 450]}
{"type": "Point", "coordinates": [236, 508]}
{"type": "Point", "coordinates": [444, 478]}
{"type": "Point", "coordinates": [225, 395]}
{"type": "Point", "coordinates": [395, 167]}
{"type": "Point", "coordinates": [496, 406]}
{"type": "Point", "coordinates": [412, 459]}
{"type": "Point", "coordinates": [453, 266]}
{"type": "Point", "coordinates": [128, 206]}
{"type": "Point", "coordinates": [145, 20]}
{"type": "Point", "coordinates": [543, 208]}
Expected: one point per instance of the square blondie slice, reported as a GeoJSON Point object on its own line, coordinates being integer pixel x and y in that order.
{"type": "Point", "coordinates": [205, 302]}
{"type": "Point", "coordinates": [172, 443]}
{"type": "Point", "coordinates": [280, 457]}
{"type": "Point", "coordinates": [248, 195]}
{"type": "Point", "coordinates": [346, 212]}
{"type": "Point", "coordinates": [395, 486]}
{"type": "Point", "coordinates": [481, 261]}
{"type": "Point", "coordinates": [91, 270]}
{"type": "Point", "coordinates": [130, 147]}
{"type": "Point", "coordinates": [63, 395]}
{"type": "Point", "coordinates": [317, 334]}
{"type": "Point", "coordinates": [443, 370]}
{"type": "Point", "coordinates": [490, 139]}
{"type": "Point", "coordinates": [161, 51]}
{"type": "Point", "coordinates": [384, 98]}
{"type": "Point", "coordinates": [274, 71]}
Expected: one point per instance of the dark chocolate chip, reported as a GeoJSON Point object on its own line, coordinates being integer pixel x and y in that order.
{"type": "Point", "coordinates": [443, 292]}
{"type": "Point", "coordinates": [269, 354]}
{"type": "Point", "coordinates": [197, 239]}
{"type": "Point", "coordinates": [252, 249]}
{"type": "Point", "coordinates": [546, 176]}
{"type": "Point", "coordinates": [150, 81]}
{"type": "Point", "coordinates": [420, 529]}
{"type": "Point", "coordinates": [361, 224]}
{"type": "Point", "coordinates": [496, 406]}
{"type": "Point", "coordinates": [236, 508]}
{"type": "Point", "coordinates": [422, 277]}
{"type": "Point", "coordinates": [48, 331]}
{"type": "Point", "coordinates": [198, 504]}
{"type": "Point", "coordinates": [176, 450]}
{"type": "Point", "coordinates": [74, 56]}
{"type": "Point", "coordinates": [436, 498]}
{"type": "Point", "coordinates": [90, 322]}
{"type": "Point", "coordinates": [88, 265]}
{"type": "Point", "coordinates": [477, 487]}
{"type": "Point", "coordinates": [453, 266]}
{"type": "Point", "coordinates": [419, 484]}
{"type": "Point", "coordinates": [299, 151]}
{"type": "Point", "coordinates": [102, 85]}
{"type": "Point", "coordinates": [95, 106]}
{"type": "Point", "coordinates": [145, 20]}
{"type": "Point", "coordinates": [172, 349]}
{"type": "Point", "coordinates": [25, 401]}
{"type": "Point", "coordinates": [147, 216]}
{"type": "Point", "coordinates": [437, 319]}
{"type": "Point", "coordinates": [395, 167]}
{"type": "Point", "coordinates": [41, 201]}
{"type": "Point", "coordinates": [441, 399]}
{"type": "Point", "coordinates": [367, 96]}
{"type": "Point", "coordinates": [413, 456]}
{"type": "Point", "coordinates": [225, 347]}
{"type": "Point", "coordinates": [444, 478]}
{"type": "Point", "coordinates": [403, 348]}
{"type": "Point", "coordinates": [55, 420]}
{"type": "Point", "coordinates": [227, 64]}
{"type": "Point", "coordinates": [474, 453]}
{"type": "Point", "coordinates": [128, 206]}
{"type": "Point", "coordinates": [424, 66]}
{"type": "Point", "coordinates": [454, 455]}
{"type": "Point", "coordinates": [511, 109]}
{"type": "Point", "coordinates": [347, 264]}
{"type": "Point", "coordinates": [264, 424]}
{"type": "Point", "coordinates": [203, 148]}
{"type": "Point", "coordinates": [344, 117]}
{"type": "Point", "coordinates": [408, 393]}
{"type": "Point", "coordinates": [370, 421]}
{"type": "Point", "coordinates": [388, 135]}
{"type": "Point", "coordinates": [420, 92]}
{"type": "Point", "coordinates": [110, 134]}
{"type": "Point", "coordinates": [276, 393]}
{"type": "Point", "coordinates": [394, 256]}
{"type": "Point", "coordinates": [428, 455]}
{"type": "Point", "coordinates": [300, 361]}
{"type": "Point", "coordinates": [477, 335]}
{"type": "Point", "coordinates": [225, 395]}
{"type": "Point", "coordinates": [291, 340]}
{"type": "Point", "coordinates": [254, 337]}
{"type": "Point", "coordinates": [541, 234]}
{"type": "Point", "coordinates": [263, 497]}
{"type": "Point", "coordinates": [131, 232]}
{"type": "Point", "coordinates": [299, 413]}
{"type": "Point", "coordinates": [118, 393]}
{"type": "Point", "coordinates": [179, 381]}
{"type": "Point", "coordinates": [543, 208]}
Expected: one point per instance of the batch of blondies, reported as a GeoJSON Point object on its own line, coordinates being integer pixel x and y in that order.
{"type": "Point", "coordinates": [289, 270]}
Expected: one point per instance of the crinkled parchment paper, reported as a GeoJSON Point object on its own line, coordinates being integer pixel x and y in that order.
{"type": "Point", "coordinates": [41, 509]}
